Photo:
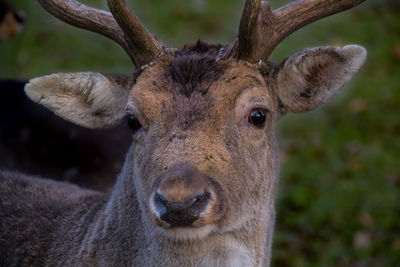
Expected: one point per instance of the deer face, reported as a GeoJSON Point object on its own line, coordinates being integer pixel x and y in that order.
{"type": "Point", "coordinates": [206, 157]}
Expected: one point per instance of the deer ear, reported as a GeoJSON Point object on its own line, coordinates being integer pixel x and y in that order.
{"type": "Point", "coordinates": [89, 99]}
{"type": "Point", "coordinates": [308, 78]}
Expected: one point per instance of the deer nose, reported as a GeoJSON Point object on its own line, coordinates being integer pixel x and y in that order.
{"type": "Point", "coordinates": [181, 213]}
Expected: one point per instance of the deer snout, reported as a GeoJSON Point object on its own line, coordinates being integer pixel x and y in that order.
{"type": "Point", "coordinates": [185, 197]}
{"type": "Point", "coordinates": [181, 213]}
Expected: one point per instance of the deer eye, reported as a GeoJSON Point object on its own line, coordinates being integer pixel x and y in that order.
{"type": "Point", "coordinates": [257, 117]}
{"type": "Point", "coordinates": [134, 123]}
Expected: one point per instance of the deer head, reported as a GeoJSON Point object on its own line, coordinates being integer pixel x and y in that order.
{"type": "Point", "coordinates": [11, 22]}
{"type": "Point", "coordinates": [204, 156]}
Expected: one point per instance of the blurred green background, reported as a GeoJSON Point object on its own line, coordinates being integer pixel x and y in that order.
{"type": "Point", "coordinates": [339, 199]}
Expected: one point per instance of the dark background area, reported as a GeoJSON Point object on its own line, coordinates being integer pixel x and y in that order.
{"type": "Point", "coordinates": [339, 200]}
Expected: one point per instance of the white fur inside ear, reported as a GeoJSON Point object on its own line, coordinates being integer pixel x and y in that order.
{"type": "Point", "coordinates": [310, 77]}
{"type": "Point", "coordinates": [86, 98]}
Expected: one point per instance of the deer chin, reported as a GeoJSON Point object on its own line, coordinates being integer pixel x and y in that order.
{"type": "Point", "coordinates": [188, 232]}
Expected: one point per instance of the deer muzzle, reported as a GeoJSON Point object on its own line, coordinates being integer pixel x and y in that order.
{"type": "Point", "coordinates": [185, 197]}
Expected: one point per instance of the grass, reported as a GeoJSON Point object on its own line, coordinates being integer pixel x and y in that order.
{"type": "Point", "coordinates": [339, 201]}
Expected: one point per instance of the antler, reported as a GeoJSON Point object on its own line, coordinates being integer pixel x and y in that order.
{"type": "Point", "coordinates": [261, 29]}
{"type": "Point", "coordinates": [125, 29]}
{"type": "Point", "coordinates": [142, 42]}
{"type": "Point", "coordinates": [248, 35]}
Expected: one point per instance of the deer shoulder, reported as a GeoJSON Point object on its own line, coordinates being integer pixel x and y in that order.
{"type": "Point", "coordinates": [36, 212]}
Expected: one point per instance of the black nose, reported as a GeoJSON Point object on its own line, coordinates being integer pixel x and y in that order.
{"type": "Point", "coordinates": [181, 213]}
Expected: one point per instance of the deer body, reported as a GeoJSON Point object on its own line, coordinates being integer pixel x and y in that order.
{"type": "Point", "coordinates": [199, 182]}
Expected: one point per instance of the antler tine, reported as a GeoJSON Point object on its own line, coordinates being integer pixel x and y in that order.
{"type": "Point", "coordinates": [248, 35]}
{"type": "Point", "coordinates": [142, 42]}
{"type": "Point", "coordinates": [294, 16]}
{"type": "Point", "coordinates": [273, 27]}
{"type": "Point", "coordinates": [88, 18]}
{"type": "Point", "coordinates": [121, 26]}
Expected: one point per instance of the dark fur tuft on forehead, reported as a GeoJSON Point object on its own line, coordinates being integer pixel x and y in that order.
{"type": "Point", "coordinates": [201, 47]}
{"type": "Point", "coordinates": [195, 68]}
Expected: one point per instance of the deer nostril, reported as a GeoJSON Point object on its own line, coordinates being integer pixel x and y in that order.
{"type": "Point", "coordinates": [195, 198]}
{"type": "Point", "coordinates": [160, 203]}
{"type": "Point", "coordinates": [181, 213]}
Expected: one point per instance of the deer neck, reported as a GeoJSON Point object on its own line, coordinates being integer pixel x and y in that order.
{"type": "Point", "coordinates": [125, 224]}
{"type": "Point", "coordinates": [117, 231]}
{"type": "Point", "coordinates": [249, 246]}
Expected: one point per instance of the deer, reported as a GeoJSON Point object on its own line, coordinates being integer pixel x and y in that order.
{"type": "Point", "coordinates": [11, 21]}
{"type": "Point", "coordinates": [200, 179]}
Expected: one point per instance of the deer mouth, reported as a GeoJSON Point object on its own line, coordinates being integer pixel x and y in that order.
{"type": "Point", "coordinates": [181, 214]}
{"type": "Point", "coordinates": [189, 220]}
{"type": "Point", "coordinates": [196, 212]}
{"type": "Point", "coordinates": [184, 199]}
